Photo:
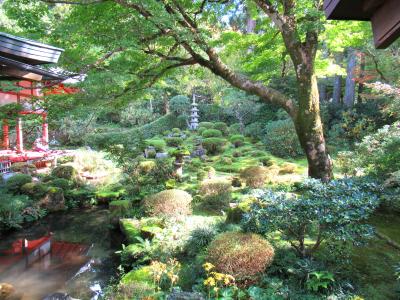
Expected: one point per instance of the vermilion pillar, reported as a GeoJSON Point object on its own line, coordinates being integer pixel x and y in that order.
{"type": "Point", "coordinates": [20, 139]}
{"type": "Point", "coordinates": [45, 130]}
{"type": "Point", "coordinates": [6, 137]}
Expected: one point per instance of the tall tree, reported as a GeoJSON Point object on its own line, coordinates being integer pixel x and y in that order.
{"type": "Point", "coordinates": [350, 89]}
{"type": "Point", "coordinates": [180, 33]}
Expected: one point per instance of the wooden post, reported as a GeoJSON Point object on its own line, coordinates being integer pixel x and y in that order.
{"type": "Point", "coordinates": [45, 130]}
{"type": "Point", "coordinates": [20, 138]}
{"type": "Point", "coordinates": [6, 137]}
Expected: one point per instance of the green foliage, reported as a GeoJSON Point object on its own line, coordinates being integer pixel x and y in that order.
{"type": "Point", "coordinates": [254, 176]}
{"type": "Point", "coordinates": [234, 128]}
{"type": "Point", "coordinates": [66, 172]}
{"type": "Point", "coordinates": [216, 194]}
{"type": "Point", "coordinates": [199, 239]}
{"type": "Point", "coordinates": [15, 183]}
{"type": "Point", "coordinates": [174, 141]}
{"type": "Point", "coordinates": [208, 133]}
{"type": "Point", "coordinates": [206, 125]}
{"type": "Point", "coordinates": [332, 212]}
{"type": "Point", "coordinates": [168, 203]}
{"type": "Point", "coordinates": [281, 139]}
{"type": "Point", "coordinates": [61, 183]}
{"type": "Point", "coordinates": [158, 144]}
{"type": "Point", "coordinates": [221, 126]}
{"type": "Point", "coordinates": [179, 105]}
{"type": "Point", "coordinates": [35, 190]}
{"type": "Point", "coordinates": [23, 167]}
{"type": "Point", "coordinates": [214, 145]}
{"type": "Point", "coordinates": [244, 256]}
{"type": "Point", "coordinates": [237, 140]}
{"type": "Point", "coordinates": [319, 281]}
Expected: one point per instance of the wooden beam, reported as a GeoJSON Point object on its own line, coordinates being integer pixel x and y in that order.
{"type": "Point", "coordinates": [386, 24]}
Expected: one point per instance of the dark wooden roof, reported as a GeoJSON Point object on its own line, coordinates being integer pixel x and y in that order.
{"type": "Point", "coordinates": [11, 69]}
{"type": "Point", "coordinates": [28, 51]}
{"type": "Point", "coordinates": [383, 14]}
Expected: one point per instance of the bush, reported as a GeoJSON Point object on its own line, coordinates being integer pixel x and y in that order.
{"type": "Point", "coordinates": [199, 239]}
{"type": "Point", "coordinates": [146, 166]}
{"type": "Point", "coordinates": [287, 168]}
{"type": "Point", "coordinates": [214, 145]}
{"type": "Point", "coordinates": [266, 161]}
{"type": "Point", "coordinates": [22, 167]}
{"type": "Point", "coordinates": [255, 176]}
{"type": "Point", "coordinates": [236, 182]}
{"type": "Point", "coordinates": [226, 161]}
{"type": "Point", "coordinates": [61, 183]}
{"type": "Point", "coordinates": [206, 125]}
{"type": "Point", "coordinates": [158, 144]}
{"type": "Point", "coordinates": [179, 104]}
{"type": "Point", "coordinates": [216, 194]}
{"type": "Point", "coordinates": [15, 183]}
{"type": "Point", "coordinates": [11, 210]}
{"type": "Point", "coordinates": [174, 141]}
{"type": "Point", "coordinates": [35, 190]}
{"type": "Point", "coordinates": [244, 256]}
{"type": "Point", "coordinates": [336, 211]}
{"type": "Point", "coordinates": [237, 140]}
{"type": "Point", "coordinates": [168, 203]}
{"type": "Point", "coordinates": [254, 130]}
{"type": "Point", "coordinates": [221, 126]}
{"type": "Point", "coordinates": [281, 139]}
{"type": "Point", "coordinates": [234, 129]}
{"type": "Point", "coordinates": [237, 153]}
{"type": "Point", "coordinates": [66, 172]}
{"type": "Point", "coordinates": [208, 133]}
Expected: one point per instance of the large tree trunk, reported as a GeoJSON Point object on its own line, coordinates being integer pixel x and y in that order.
{"type": "Point", "coordinates": [309, 129]}
{"type": "Point", "coordinates": [350, 90]}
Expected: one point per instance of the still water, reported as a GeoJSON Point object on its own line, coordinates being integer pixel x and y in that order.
{"type": "Point", "coordinates": [72, 252]}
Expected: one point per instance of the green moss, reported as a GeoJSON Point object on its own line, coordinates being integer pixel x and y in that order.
{"type": "Point", "coordinates": [158, 144]}
{"type": "Point", "coordinates": [66, 172]}
{"type": "Point", "coordinates": [143, 274]}
{"type": "Point", "coordinates": [61, 183]}
{"type": "Point", "coordinates": [107, 196]}
{"type": "Point", "coordinates": [15, 183]}
{"type": "Point", "coordinates": [35, 190]}
{"type": "Point", "coordinates": [131, 229]}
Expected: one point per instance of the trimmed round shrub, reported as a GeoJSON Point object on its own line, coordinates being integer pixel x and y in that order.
{"type": "Point", "coordinates": [281, 139]}
{"type": "Point", "coordinates": [237, 140]}
{"type": "Point", "coordinates": [146, 166]}
{"type": "Point", "coordinates": [245, 256]}
{"type": "Point", "coordinates": [207, 125]}
{"type": "Point", "coordinates": [287, 168]}
{"type": "Point", "coordinates": [199, 239]}
{"type": "Point", "coordinates": [15, 183]}
{"type": "Point", "coordinates": [35, 190]}
{"type": "Point", "coordinates": [221, 126]}
{"type": "Point", "coordinates": [237, 153]}
{"type": "Point", "coordinates": [176, 130]}
{"type": "Point", "coordinates": [168, 203]}
{"type": "Point", "coordinates": [216, 194]}
{"type": "Point", "coordinates": [22, 167]}
{"type": "Point", "coordinates": [211, 133]}
{"type": "Point", "coordinates": [255, 176]}
{"type": "Point", "coordinates": [158, 144]}
{"type": "Point", "coordinates": [66, 172]}
{"type": "Point", "coordinates": [226, 161]}
{"type": "Point", "coordinates": [214, 145]}
{"type": "Point", "coordinates": [234, 128]}
{"type": "Point", "coordinates": [174, 141]}
{"type": "Point", "coordinates": [61, 183]}
{"type": "Point", "coordinates": [266, 161]}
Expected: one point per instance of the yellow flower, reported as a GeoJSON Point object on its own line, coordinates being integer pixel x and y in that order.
{"type": "Point", "coordinates": [209, 281]}
{"type": "Point", "coordinates": [208, 266]}
{"type": "Point", "coordinates": [218, 276]}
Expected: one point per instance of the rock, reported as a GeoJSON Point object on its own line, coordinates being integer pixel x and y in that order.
{"type": "Point", "coordinates": [393, 181]}
{"type": "Point", "coordinates": [161, 155]}
{"type": "Point", "coordinates": [59, 296]}
{"type": "Point", "coordinates": [7, 292]}
{"type": "Point", "coordinates": [178, 295]}
{"type": "Point", "coordinates": [54, 200]}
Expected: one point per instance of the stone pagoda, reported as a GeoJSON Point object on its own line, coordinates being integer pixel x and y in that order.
{"type": "Point", "coordinates": [194, 115]}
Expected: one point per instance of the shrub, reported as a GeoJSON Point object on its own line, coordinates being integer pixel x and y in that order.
{"type": "Point", "coordinates": [234, 129]}
{"type": "Point", "coordinates": [245, 256]}
{"type": "Point", "coordinates": [66, 172]}
{"type": "Point", "coordinates": [199, 239]}
{"type": "Point", "coordinates": [208, 133]}
{"type": "Point", "coordinates": [11, 210]}
{"type": "Point", "coordinates": [287, 168]}
{"type": "Point", "coordinates": [15, 183]}
{"type": "Point", "coordinates": [221, 126]}
{"type": "Point", "coordinates": [206, 125]}
{"type": "Point", "coordinates": [226, 161]}
{"type": "Point", "coordinates": [254, 130]}
{"type": "Point", "coordinates": [175, 130]}
{"type": "Point", "coordinates": [158, 144]}
{"type": "Point", "coordinates": [23, 167]}
{"type": "Point", "coordinates": [333, 212]}
{"type": "Point", "coordinates": [179, 104]}
{"type": "Point", "coordinates": [236, 182]}
{"type": "Point", "coordinates": [146, 166]}
{"type": "Point", "coordinates": [61, 183]}
{"type": "Point", "coordinates": [201, 175]}
{"type": "Point", "coordinates": [255, 176]}
{"type": "Point", "coordinates": [281, 139]}
{"type": "Point", "coordinates": [266, 161]}
{"type": "Point", "coordinates": [237, 140]}
{"type": "Point", "coordinates": [174, 141]}
{"type": "Point", "coordinates": [214, 145]}
{"type": "Point", "coordinates": [168, 203]}
{"type": "Point", "coordinates": [237, 153]}
{"type": "Point", "coordinates": [216, 194]}
{"type": "Point", "coordinates": [35, 190]}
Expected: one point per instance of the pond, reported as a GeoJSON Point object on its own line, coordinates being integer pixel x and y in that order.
{"type": "Point", "coordinates": [71, 252]}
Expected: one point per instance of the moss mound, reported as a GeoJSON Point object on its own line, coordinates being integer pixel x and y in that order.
{"type": "Point", "coordinates": [15, 183]}
{"type": "Point", "coordinates": [208, 133]}
{"type": "Point", "coordinates": [255, 176]}
{"type": "Point", "coordinates": [243, 255]}
{"type": "Point", "coordinates": [66, 172]}
{"type": "Point", "coordinates": [168, 203]}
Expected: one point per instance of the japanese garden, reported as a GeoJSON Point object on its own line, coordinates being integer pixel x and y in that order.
{"type": "Point", "coordinates": [199, 149]}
